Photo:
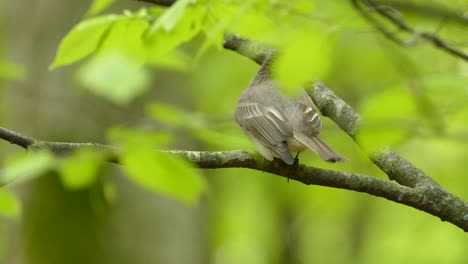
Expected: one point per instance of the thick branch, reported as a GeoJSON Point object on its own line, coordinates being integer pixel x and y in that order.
{"type": "Point", "coordinates": [239, 159]}
{"type": "Point", "coordinates": [432, 199]}
{"type": "Point", "coordinates": [415, 188]}
{"type": "Point", "coordinates": [427, 198]}
{"type": "Point", "coordinates": [255, 51]}
{"type": "Point", "coordinates": [334, 107]}
{"type": "Point", "coordinates": [344, 116]}
{"type": "Point", "coordinates": [420, 191]}
{"type": "Point", "coordinates": [396, 167]}
{"type": "Point", "coordinates": [401, 170]}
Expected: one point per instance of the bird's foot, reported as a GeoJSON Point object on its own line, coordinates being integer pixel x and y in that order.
{"type": "Point", "coordinates": [295, 164]}
{"type": "Point", "coordinates": [296, 160]}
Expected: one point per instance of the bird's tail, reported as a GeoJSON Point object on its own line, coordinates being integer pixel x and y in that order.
{"type": "Point", "coordinates": [321, 148]}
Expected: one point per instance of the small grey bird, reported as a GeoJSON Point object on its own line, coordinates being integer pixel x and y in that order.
{"type": "Point", "coordinates": [277, 125]}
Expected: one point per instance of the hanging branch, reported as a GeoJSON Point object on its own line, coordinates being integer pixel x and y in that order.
{"type": "Point", "coordinates": [367, 7]}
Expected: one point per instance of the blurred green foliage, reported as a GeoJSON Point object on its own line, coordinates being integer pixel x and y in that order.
{"type": "Point", "coordinates": [26, 166]}
{"type": "Point", "coordinates": [168, 63]}
{"type": "Point", "coordinates": [10, 71]}
{"type": "Point", "coordinates": [9, 205]}
{"type": "Point", "coordinates": [157, 171]}
{"type": "Point", "coordinates": [83, 39]}
{"type": "Point", "coordinates": [114, 76]}
{"type": "Point", "coordinates": [98, 6]}
{"type": "Point", "coordinates": [80, 170]}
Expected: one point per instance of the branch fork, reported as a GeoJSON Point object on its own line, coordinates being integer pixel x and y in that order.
{"type": "Point", "coordinates": [407, 185]}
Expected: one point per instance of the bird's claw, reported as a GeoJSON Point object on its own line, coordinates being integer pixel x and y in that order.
{"type": "Point", "coordinates": [295, 164]}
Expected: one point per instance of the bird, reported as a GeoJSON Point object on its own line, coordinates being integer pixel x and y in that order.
{"type": "Point", "coordinates": [277, 125]}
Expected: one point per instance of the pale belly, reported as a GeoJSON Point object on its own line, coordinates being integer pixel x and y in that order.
{"type": "Point", "coordinates": [295, 146]}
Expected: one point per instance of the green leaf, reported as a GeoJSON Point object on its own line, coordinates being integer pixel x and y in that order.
{"type": "Point", "coordinates": [215, 28]}
{"type": "Point", "coordinates": [174, 60]}
{"type": "Point", "coordinates": [9, 205]}
{"type": "Point", "coordinates": [163, 173]}
{"type": "Point", "coordinates": [170, 18]}
{"type": "Point", "coordinates": [253, 25]}
{"type": "Point", "coordinates": [214, 37]}
{"type": "Point", "coordinates": [169, 114]}
{"type": "Point", "coordinates": [161, 42]}
{"type": "Point", "coordinates": [10, 71]}
{"type": "Point", "coordinates": [126, 36]}
{"type": "Point", "coordinates": [305, 58]}
{"type": "Point", "coordinates": [98, 5]}
{"type": "Point", "coordinates": [155, 170]}
{"type": "Point", "coordinates": [80, 169]}
{"type": "Point", "coordinates": [304, 6]}
{"type": "Point", "coordinates": [82, 40]}
{"type": "Point", "coordinates": [114, 76]}
{"type": "Point", "coordinates": [28, 165]}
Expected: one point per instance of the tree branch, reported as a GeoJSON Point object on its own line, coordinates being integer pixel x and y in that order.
{"type": "Point", "coordinates": [15, 138]}
{"type": "Point", "coordinates": [255, 51]}
{"type": "Point", "coordinates": [384, 12]}
{"type": "Point", "coordinates": [413, 188]}
{"type": "Point", "coordinates": [435, 199]}
{"type": "Point", "coordinates": [159, 2]}
{"type": "Point", "coordinates": [430, 9]}
{"type": "Point", "coordinates": [335, 108]}
{"type": "Point", "coordinates": [238, 159]}
{"type": "Point", "coordinates": [402, 25]}
{"type": "Point", "coordinates": [432, 198]}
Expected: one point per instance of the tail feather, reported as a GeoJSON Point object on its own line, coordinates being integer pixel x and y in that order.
{"type": "Point", "coordinates": [321, 148]}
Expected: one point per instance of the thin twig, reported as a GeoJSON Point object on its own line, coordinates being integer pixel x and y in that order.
{"type": "Point", "coordinates": [159, 2]}
{"type": "Point", "coordinates": [403, 26]}
{"type": "Point", "coordinates": [428, 9]}
{"type": "Point", "coordinates": [16, 138]}
{"type": "Point", "coordinates": [395, 20]}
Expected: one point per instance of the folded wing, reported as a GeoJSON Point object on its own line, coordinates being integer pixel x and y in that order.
{"type": "Point", "coordinates": [266, 126]}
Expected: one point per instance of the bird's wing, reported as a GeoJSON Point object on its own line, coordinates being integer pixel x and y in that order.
{"type": "Point", "coordinates": [308, 113]}
{"type": "Point", "coordinates": [266, 152]}
{"type": "Point", "coordinates": [310, 117]}
{"type": "Point", "coordinates": [267, 124]}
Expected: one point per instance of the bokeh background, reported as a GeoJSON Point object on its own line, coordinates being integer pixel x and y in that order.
{"type": "Point", "coordinates": [412, 99]}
